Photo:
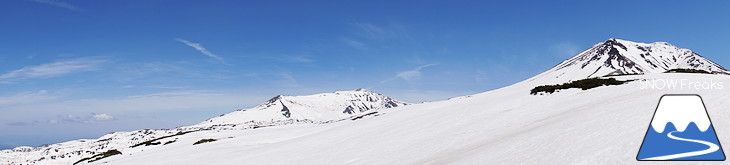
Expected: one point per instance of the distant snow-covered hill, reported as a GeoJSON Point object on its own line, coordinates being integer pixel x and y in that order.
{"type": "Point", "coordinates": [280, 110]}
{"type": "Point", "coordinates": [319, 107]}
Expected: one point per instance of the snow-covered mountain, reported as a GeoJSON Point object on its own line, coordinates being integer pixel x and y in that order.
{"type": "Point", "coordinates": [72, 151]}
{"type": "Point", "coordinates": [281, 110]}
{"type": "Point", "coordinates": [619, 57]}
{"type": "Point", "coordinates": [318, 107]}
{"type": "Point", "coordinates": [603, 125]}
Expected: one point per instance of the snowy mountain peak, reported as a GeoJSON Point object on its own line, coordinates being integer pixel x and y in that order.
{"type": "Point", "coordinates": [617, 56]}
{"type": "Point", "coordinates": [317, 107]}
{"type": "Point", "coordinates": [274, 99]}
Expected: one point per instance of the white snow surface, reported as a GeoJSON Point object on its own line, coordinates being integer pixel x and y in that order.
{"type": "Point", "coordinates": [604, 125]}
{"type": "Point", "coordinates": [680, 110]}
{"type": "Point", "coordinates": [318, 107]}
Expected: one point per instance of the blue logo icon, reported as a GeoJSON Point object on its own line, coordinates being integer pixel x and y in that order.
{"type": "Point", "coordinates": [681, 130]}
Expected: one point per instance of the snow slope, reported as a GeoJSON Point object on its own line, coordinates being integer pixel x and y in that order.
{"type": "Point", "coordinates": [604, 125]}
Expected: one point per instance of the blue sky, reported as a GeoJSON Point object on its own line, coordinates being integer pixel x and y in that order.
{"type": "Point", "coordinates": [74, 69]}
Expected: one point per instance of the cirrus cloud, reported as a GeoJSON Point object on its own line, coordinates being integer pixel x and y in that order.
{"type": "Point", "coordinates": [58, 4]}
{"type": "Point", "coordinates": [91, 118]}
{"type": "Point", "coordinates": [26, 97]}
{"type": "Point", "coordinates": [53, 69]}
{"type": "Point", "coordinates": [200, 48]}
{"type": "Point", "coordinates": [409, 75]}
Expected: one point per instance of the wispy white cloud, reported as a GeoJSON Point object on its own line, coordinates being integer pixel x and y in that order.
{"type": "Point", "coordinates": [301, 59]}
{"type": "Point", "coordinates": [96, 109]}
{"type": "Point", "coordinates": [58, 3]}
{"type": "Point", "coordinates": [371, 29]}
{"type": "Point", "coordinates": [102, 109]}
{"type": "Point", "coordinates": [287, 58]}
{"type": "Point", "coordinates": [21, 123]}
{"type": "Point", "coordinates": [286, 80]}
{"type": "Point", "coordinates": [200, 48]}
{"type": "Point", "coordinates": [388, 31]}
{"type": "Point", "coordinates": [26, 97]}
{"type": "Point", "coordinates": [143, 69]}
{"type": "Point", "coordinates": [409, 75]}
{"type": "Point", "coordinates": [293, 58]}
{"type": "Point", "coordinates": [91, 118]}
{"type": "Point", "coordinates": [52, 69]}
{"type": "Point", "coordinates": [131, 73]}
{"type": "Point", "coordinates": [354, 43]}
{"type": "Point", "coordinates": [102, 117]}
{"type": "Point", "coordinates": [169, 87]}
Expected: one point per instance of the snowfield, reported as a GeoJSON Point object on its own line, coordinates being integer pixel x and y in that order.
{"type": "Point", "coordinates": [604, 125]}
{"type": "Point", "coordinates": [318, 107]}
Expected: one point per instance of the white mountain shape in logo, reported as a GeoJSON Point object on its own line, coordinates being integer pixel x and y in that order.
{"type": "Point", "coordinates": [680, 111]}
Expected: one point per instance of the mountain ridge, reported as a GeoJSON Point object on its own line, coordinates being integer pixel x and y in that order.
{"type": "Point", "coordinates": [618, 57]}
{"type": "Point", "coordinates": [316, 107]}
{"type": "Point", "coordinates": [333, 107]}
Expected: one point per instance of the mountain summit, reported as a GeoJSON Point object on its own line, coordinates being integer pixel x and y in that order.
{"type": "Point", "coordinates": [617, 57]}
{"type": "Point", "coordinates": [318, 107]}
